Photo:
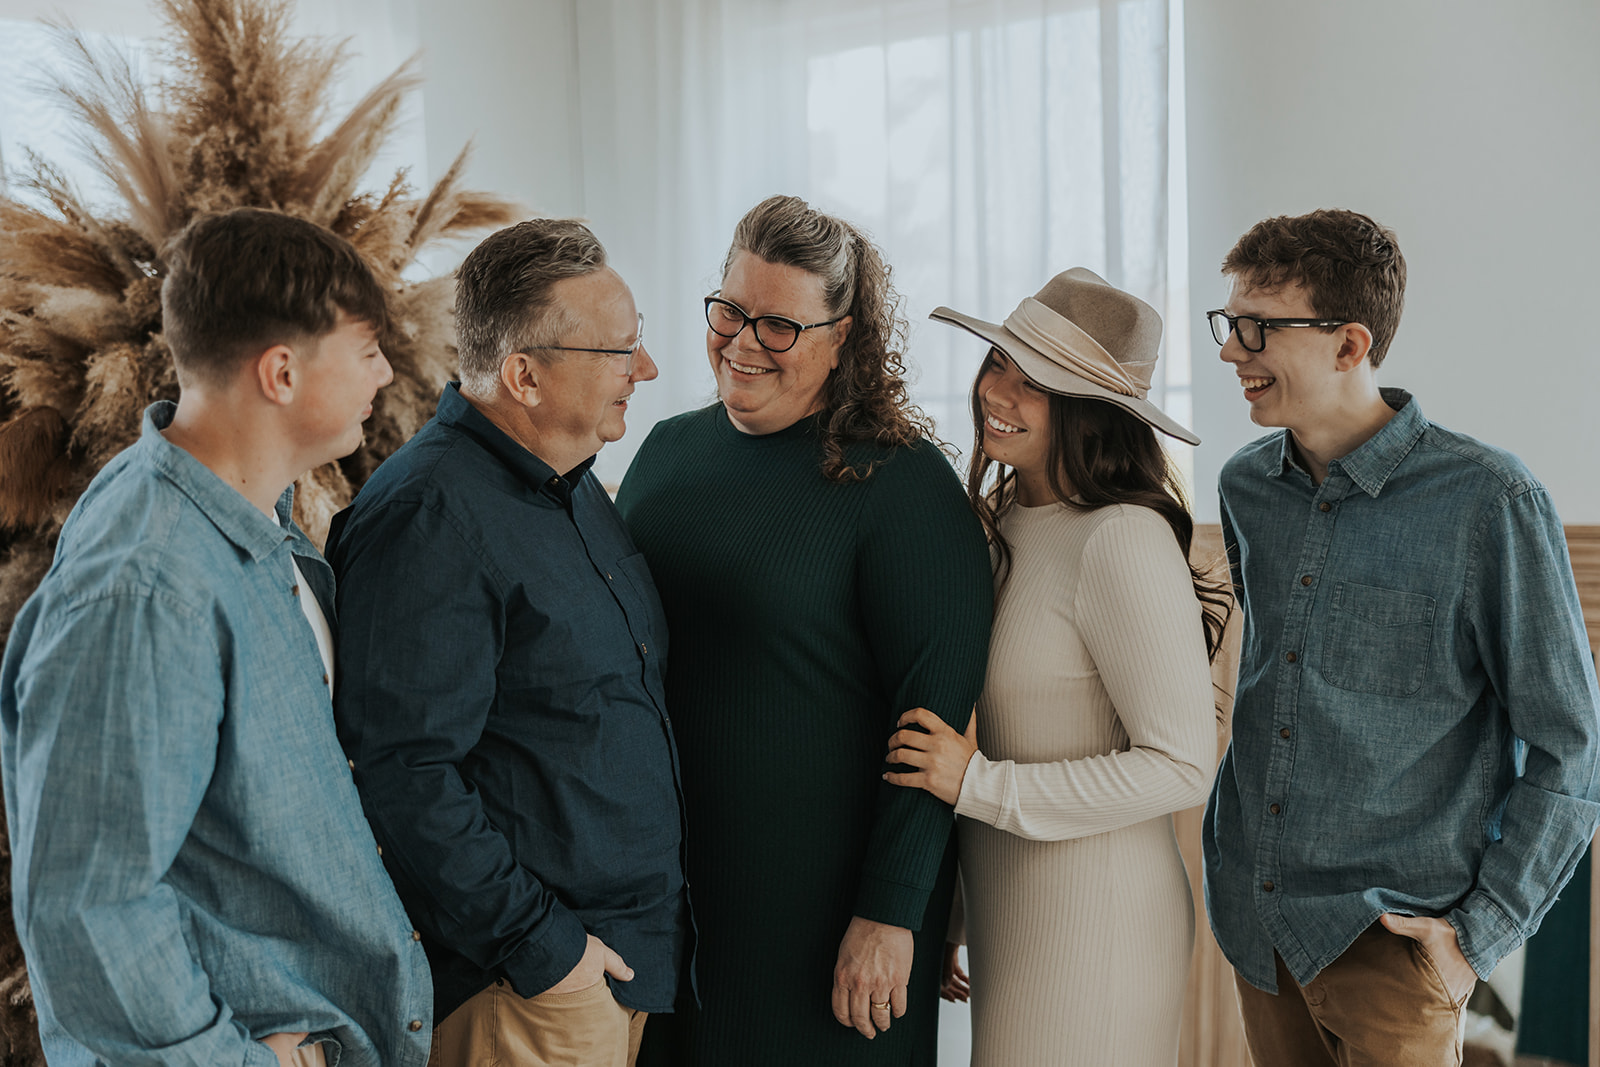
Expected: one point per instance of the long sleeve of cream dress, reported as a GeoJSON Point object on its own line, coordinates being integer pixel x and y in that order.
{"type": "Point", "coordinates": [1095, 724]}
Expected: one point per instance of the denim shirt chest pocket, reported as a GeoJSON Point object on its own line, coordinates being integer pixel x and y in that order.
{"type": "Point", "coordinates": [1378, 640]}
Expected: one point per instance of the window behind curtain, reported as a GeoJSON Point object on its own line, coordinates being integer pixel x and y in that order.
{"type": "Point", "coordinates": [986, 146]}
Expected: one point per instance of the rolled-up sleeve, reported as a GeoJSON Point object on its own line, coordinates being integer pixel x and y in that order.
{"type": "Point", "coordinates": [112, 732]}
{"type": "Point", "coordinates": [1527, 623]}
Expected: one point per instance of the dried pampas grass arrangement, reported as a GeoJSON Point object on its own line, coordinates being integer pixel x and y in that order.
{"type": "Point", "coordinates": [240, 121]}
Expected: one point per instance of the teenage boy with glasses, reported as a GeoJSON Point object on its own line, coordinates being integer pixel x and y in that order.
{"type": "Point", "coordinates": [1413, 772]}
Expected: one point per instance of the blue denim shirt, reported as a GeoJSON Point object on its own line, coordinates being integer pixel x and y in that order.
{"type": "Point", "coordinates": [500, 693]}
{"type": "Point", "coordinates": [1415, 729]}
{"type": "Point", "coordinates": [191, 870]}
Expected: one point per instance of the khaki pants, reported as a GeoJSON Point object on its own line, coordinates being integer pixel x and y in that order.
{"type": "Point", "coordinates": [1380, 1004]}
{"type": "Point", "coordinates": [497, 1026]}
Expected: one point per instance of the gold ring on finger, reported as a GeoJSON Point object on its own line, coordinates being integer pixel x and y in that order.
{"type": "Point", "coordinates": [880, 1007]}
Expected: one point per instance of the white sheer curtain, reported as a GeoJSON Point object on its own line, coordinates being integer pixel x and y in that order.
{"type": "Point", "coordinates": [380, 34]}
{"type": "Point", "coordinates": [985, 145]}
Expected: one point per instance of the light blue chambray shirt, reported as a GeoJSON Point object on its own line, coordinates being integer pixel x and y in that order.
{"type": "Point", "coordinates": [1416, 723]}
{"type": "Point", "coordinates": [191, 868]}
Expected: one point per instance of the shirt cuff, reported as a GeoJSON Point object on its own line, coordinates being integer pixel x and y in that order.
{"type": "Point", "coordinates": [541, 962]}
{"type": "Point", "coordinates": [256, 1054]}
{"type": "Point", "coordinates": [892, 903]}
{"type": "Point", "coordinates": [1484, 933]}
{"type": "Point", "coordinates": [987, 786]}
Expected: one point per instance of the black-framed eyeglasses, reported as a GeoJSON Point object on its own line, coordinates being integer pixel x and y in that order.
{"type": "Point", "coordinates": [628, 353]}
{"type": "Point", "coordinates": [1253, 331]}
{"type": "Point", "coordinates": [775, 333]}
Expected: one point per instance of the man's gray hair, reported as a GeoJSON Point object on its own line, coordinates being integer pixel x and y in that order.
{"type": "Point", "coordinates": [503, 294]}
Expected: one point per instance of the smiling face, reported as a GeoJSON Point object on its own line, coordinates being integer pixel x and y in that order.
{"type": "Point", "coordinates": [340, 374]}
{"type": "Point", "coordinates": [1016, 426]}
{"type": "Point", "coordinates": [583, 396]}
{"type": "Point", "coordinates": [1294, 381]}
{"type": "Point", "coordinates": [763, 391]}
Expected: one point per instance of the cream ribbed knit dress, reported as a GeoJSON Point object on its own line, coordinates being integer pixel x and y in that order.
{"type": "Point", "coordinates": [1096, 722]}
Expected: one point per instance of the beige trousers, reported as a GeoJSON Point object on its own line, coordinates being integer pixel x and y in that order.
{"type": "Point", "coordinates": [1382, 1003]}
{"type": "Point", "coordinates": [497, 1026]}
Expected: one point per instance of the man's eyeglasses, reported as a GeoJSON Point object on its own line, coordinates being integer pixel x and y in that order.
{"type": "Point", "coordinates": [1253, 331]}
{"type": "Point", "coordinates": [775, 333]}
{"type": "Point", "coordinates": [627, 353]}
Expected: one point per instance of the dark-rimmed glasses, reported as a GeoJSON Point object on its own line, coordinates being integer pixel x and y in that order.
{"type": "Point", "coordinates": [1253, 331]}
{"type": "Point", "coordinates": [775, 333]}
{"type": "Point", "coordinates": [628, 353]}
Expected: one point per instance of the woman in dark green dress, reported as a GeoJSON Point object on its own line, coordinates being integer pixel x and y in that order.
{"type": "Point", "coordinates": [821, 573]}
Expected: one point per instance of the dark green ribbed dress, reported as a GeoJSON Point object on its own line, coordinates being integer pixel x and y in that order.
{"type": "Point", "coordinates": [803, 617]}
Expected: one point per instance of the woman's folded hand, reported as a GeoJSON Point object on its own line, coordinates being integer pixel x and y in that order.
{"type": "Point", "coordinates": [937, 754]}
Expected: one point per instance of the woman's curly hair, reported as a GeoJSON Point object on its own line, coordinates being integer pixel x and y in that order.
{"type": "Point", "coordinates": [865, 397]}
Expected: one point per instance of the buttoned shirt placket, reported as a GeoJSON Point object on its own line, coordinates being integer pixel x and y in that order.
{"type": "Point", "coordinates": [1320, 521]}
{"type": "Point", "coordinates": [560, 490]}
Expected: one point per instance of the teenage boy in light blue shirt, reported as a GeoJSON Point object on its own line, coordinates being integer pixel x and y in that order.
{"type": "Point", "coordinates": [1413, 772]}
{"type": "Point", "coordinates": [193, 881]}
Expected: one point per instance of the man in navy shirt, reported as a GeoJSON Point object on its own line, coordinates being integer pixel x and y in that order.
{"type": "Point", "coordinates": [501, 657]}
{"type": "Point", "coordinates": [1413, 772]}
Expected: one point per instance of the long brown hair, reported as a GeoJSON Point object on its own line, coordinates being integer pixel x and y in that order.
{"type": "Point", "coordinates": [1104, 455]}
{"type": "Point", "coordinates": [865, 398]}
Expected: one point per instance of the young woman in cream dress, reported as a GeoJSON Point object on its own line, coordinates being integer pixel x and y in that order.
{"type": "Point", "coordinates": [1097, 719]}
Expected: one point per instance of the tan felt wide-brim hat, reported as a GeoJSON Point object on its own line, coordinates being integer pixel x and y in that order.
{"type": "Point", "coordinates": [1082, 336]}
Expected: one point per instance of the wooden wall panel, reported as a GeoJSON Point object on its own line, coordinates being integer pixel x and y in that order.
{"type": "Point", "coordinates": [1583, 544]}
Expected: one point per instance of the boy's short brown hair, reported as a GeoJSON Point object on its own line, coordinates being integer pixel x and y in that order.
{"type": "Point", "coordinates": [241, 281]}
{"type": "Point", "coordinates": [1350, 266]}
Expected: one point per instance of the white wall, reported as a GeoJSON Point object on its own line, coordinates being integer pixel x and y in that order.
{"type": "Point", "coordinates": [101, 16]}
{"type": "Point", "coordinates": [505, 74]}
{"type": "Point", "coordinates": [1471, 128]}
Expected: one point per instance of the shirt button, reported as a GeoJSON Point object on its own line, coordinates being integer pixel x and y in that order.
{"type": "Point", "coordinates": [352, 763]}
{"type": "Point", "coordinates": [414, 1025]}
{"type": "Point", "coordinates": [1275, 808]}
{"type": "Point", "coordinates": [1324, 506]}
{"type": "Point", "coordinates": [1305, 579]}
{"type": "Point", "coordinates": [609, 578]}
{"type": "Point", "coordinates": [324, 677]}
{"type": "Point", "coordinates": [1290, 657]}
{"type": "Point", "coordinates": [1284, 733]}
{"type": "Point", "coordinates": [1268, 886]}
{"type": "Point", "coordinates": [416, 935]}
{"type": "Point", "coordinates": [643, 649]}
{"type": "Point", "coordinates": [294, 590]}
{"type": "Point", "coordinates": [380, 850]}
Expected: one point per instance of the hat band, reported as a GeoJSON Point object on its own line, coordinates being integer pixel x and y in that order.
{"type": "Point", "coordinates": [1065, 343]}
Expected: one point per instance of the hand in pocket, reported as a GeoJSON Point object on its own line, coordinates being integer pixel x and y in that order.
{"type": "Point", "coordinates": [1438, 939]}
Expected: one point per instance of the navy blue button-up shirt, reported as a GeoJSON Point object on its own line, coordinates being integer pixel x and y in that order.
{"type": "Point", "coordinates": [190, 868]}
{"type": "Point", "coordinates": [501, 651]}
{"type": "Point", "coordinates": [1415, 729]}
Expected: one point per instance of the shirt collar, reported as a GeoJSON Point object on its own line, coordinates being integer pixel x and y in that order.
{"type": "Point", "coordinates": [1371, 464]}
{"type": "Point", "coordinates": [456, 410]}
{"type": "Point", "coordinates": [237, 519]}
